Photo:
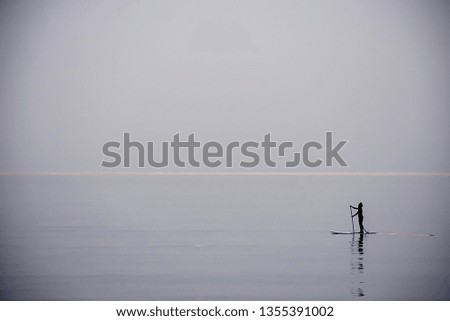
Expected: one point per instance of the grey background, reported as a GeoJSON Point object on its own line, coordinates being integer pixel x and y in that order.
{"type": "Point", "coordinates": [75, 74]}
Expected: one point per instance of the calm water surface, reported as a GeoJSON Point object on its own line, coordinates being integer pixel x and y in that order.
{"type": "Point", "coordinates": [222, 238]}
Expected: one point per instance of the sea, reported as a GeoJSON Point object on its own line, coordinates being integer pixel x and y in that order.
{"type": "Point", "coordinates": [223, 237]}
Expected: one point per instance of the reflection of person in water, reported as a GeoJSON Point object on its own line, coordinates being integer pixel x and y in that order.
{"type": "Point", "coordinates": [361, 244]}
{"type": "Point", "coordinates": [360, 217]}
{"type": "Point", "coordinates": [357, 265]}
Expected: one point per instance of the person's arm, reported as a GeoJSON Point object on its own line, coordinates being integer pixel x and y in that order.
{"type": "Point", "coordinates": [355, 208]}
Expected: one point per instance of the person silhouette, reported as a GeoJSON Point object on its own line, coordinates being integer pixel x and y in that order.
{"type": "Point", "coordinates": [360, 217]}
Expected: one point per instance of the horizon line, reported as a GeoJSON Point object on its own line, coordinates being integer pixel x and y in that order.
{"type": "Point", "coordinates": [218, 173]}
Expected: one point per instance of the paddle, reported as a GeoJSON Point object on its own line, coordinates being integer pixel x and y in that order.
{"type": "Point", "coordinates": [351, 216]}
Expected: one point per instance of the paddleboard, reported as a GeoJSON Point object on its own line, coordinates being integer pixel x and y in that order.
{"type": "Point", "coordinates": [381, 233]}
{"type": "Point", "coordinates": [343, 232]}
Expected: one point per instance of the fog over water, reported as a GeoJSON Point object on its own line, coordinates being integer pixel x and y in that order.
{"type": "Point", "coordinates": [77, 74]}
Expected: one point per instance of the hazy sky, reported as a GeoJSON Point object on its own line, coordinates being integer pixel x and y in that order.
{"type": "Point", "coordinates": [75, 74]}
